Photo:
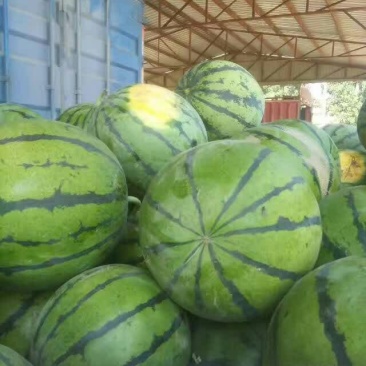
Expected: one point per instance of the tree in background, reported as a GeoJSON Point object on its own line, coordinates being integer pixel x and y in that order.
{"type": "Point", "coordinates": [281, 91]}
{"type": "Point", "coordinates": [345, 100]}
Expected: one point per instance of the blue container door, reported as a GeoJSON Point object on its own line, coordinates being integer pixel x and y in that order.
{"type": "Point", "coordinates": [57, 53]}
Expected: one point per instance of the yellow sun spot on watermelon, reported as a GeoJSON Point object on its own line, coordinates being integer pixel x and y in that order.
{"type": "Point", "coordinates": [155, 106]}
{"type": "Point", "coordinates": [353, 166]}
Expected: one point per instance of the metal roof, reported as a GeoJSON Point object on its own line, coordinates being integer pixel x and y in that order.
{"type": "Point", "coordinates": [278, 41]}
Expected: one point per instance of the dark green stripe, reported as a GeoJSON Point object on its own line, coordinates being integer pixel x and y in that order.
{"type": "Point", "coordinates": [156, 249]}
{"type": "Point", "coordinates": [62, 318]}
{"type": "Point", "coordinates": [238, 298]}
{"type": "Point", "coordinates": [350, 135]}
{"type": "Point", "coordinates": [361, 232]}
{"type": "Point", "coordinates": [23, 114]}
{"type": "Point", "coordinates": [43, 137]}
{"type": "Point", "coordinates": [335, 250]}
{"type": "Point", "coordinates": [74, 235]}
{"type": "Point", "coordinates": [194, 116]}
{"type": "Point", "coordinates": [9, 323]}
{"type": "Point", "coordinates": [58, 199]}
{"type": "Point", "coordinates": [282, 224]}
{"type": "Point", "coordinates": [242, 183]}
{"type": "Point", "coordinates": [264, 268]}
{"type": "Point", "coordinates": [197, 278]}
{"type": "Point", "coordinates": [213, 71]}
{"type": "Point", "coordinates": [188, 165]}
{"type": "Point", "coordinates": [328, 317]}
{"type": "Point", "coordinates": [179, 270]}
{"type": "Point", "coordinates": [157, 342]}
{"type": "Point", "coordinates": [78, 348]}
{"type": "Point", "coordinates": [221, 110]}
{"type": "Point", "coordinates": [256, 204]}
{"type": "Point", "coordinates": [145, 128]}
{"type": "Point", "coordinates": [159, 208]}
{"type": "Point", "coordinates": [109, 124]}
{"type": "Point", "coordinates": [48, 164]}
{"type": "Point", "coordinates": [58, 296]}
{"type": "Point", "coordinates": [8, 271]}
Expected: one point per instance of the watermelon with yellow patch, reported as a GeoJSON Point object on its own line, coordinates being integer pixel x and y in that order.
{"type": "Point", "coordinates": [145, 126]}
{"type": "Point", "coordinates": [353, 167]}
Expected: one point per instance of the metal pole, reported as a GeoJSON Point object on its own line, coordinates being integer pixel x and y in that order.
{"type": "Point", "coordinates": [108, 46]}
{"type": "Point", "coordinates": [78, 52]}
{"type": "Point", "coordinates": [6, 51]}
{"type": "Point", "coordinates": [52, 59]}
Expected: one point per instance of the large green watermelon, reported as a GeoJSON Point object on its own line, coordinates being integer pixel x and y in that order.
{"type": "Point", "coordinates": [344, 221]}
{"type": "Point", "coordinates": [15, 112]}
{"type": "Point", "coordinates": [8, 357]}
{"type": "Point", "coordinates": [226, 96]}
{"type": "Point", "coordinates": [227, 228]}
{"type": "Point", "coordinates": [18, 314]}
{"type": "Point", "coordinates": [111, 315]}
{"type": "Point", "coordinates": [77, 115]}
{"type": "Point", "coordinates": [145, 126]}
{"type": "Point", "coordinates": [63, 203]}
{"type": "Point", "coordinates": [361, 124]}
{"type": "Point", "coordinates": [301, 145]}
{"type": "Point", "coordinates": [321, 321]}
{"type": "Point", "coordinates": [227, 344]}
{"type": "Point", "coordinates": [344, 136]}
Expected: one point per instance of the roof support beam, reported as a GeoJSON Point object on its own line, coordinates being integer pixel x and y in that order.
{"type": "Point", "coordinates": [273, 16]}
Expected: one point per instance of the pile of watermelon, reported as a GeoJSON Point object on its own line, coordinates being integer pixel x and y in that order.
{"type": "Point", "coordinates": [157, 227]}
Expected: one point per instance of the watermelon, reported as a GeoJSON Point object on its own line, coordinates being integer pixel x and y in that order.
{"type": "Point", "coordinates": [344, 136]}
{"type": "Point", "coordinates": [128, 251]}
{"type": "Point", "coordinates": [361, 124]}
{"type": "Point", "coordinates": [344, 220]}
{"type": "Point", "coordinates": [227, 227]}
{"type": "Point", "coordinates": [321, 321]}
{"type": "Point", "coordinates": [111, 315]}
{"type": "Point", "coordinates": [14, 112]}
{"type": "Point", "coordinates": [227, 344]}
{"type": "Point", "coordinates": [145, 126]}
{"type": "Point", "coordinates": [353, 167]}
{"type": "Point", "coordinates": [18, 313]}
{"type": "Point", "coordinates": [63, 204]}
{"type": "Point", "coordinates": [300, 145]}
{"type": "Point", "coordinates": [226, 96]}
{"type": "Point", "coordinates": [8, 357]}
{"type": "Point", "coordinates": [77, 115]}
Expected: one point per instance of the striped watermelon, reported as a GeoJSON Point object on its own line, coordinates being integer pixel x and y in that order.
{"type": "Point", "coordinates": [145, 126]}
{"type": "Point", "coordinates": [77, 115]}
{"type": "Point", "coordinates": [321, 321]}
{"type": "Point", "coordinates": [227, 227]}
{"type": "Point", "coordinates": [344, 220]}
{"type": "Point", "coordinates": [226, 96]}
{"type": "Point", "coordinates": [344, 136]}
{"type": "Point", "coordinates": [18, 313]}
{"type": "Point", "coordinates": [111, 315]}
{"type": "Point", "coordinates": [361, 124]}
{"type": "Point", "coordinates": [300, 145]}
{"type": "Point", "coordinates": [329, 170]}
{"type": "Point", "coordinates": [14, 112]}
{"type": "Point", "coordinates": [128, 251]}
{"type": "Point", "coordinates": [8, 357]}
{"type": "Point", "coordinates": [227, 344]}
{"type": "Point", "coordinates": [63, 203]}
{"type": "Point", "coordinates": [353, 167]}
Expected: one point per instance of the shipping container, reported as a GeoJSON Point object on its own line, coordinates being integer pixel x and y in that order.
{"type": "Point", "coordinates": [56, 53]}
{"type": "Point", "coordinates": [285, 109]}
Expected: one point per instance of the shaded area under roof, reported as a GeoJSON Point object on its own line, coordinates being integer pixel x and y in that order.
{"type": "Point", "coordinates": [278, 41]}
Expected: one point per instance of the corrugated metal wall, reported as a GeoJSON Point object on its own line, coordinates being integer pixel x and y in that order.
{"type": "Point", "coordinates": [56, 53]}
